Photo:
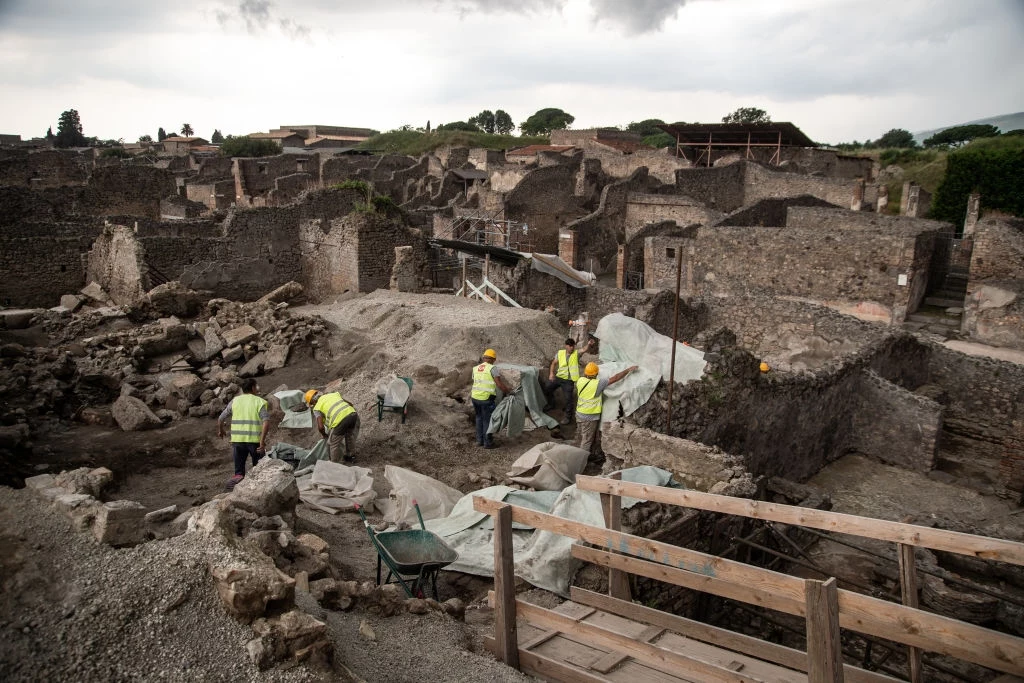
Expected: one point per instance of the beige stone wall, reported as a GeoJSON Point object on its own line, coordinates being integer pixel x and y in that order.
{"type": "Point", "coordinates": [643, 209]}
{"type": "Point", "coordinates": [117, 262]}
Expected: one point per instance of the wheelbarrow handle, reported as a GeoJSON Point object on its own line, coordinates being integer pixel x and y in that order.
{"type": "Point", "coordinates": [419, 514]}
{"type": "Point", "coordinates": [362, 515]}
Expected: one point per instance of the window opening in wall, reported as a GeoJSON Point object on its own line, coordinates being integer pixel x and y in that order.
{"type": "Point", "coordinates": [670, 252]}
{"type": "Point", "coordinates": [263, 169]}
{"type": "Point", "coordinates": [300, 165]}
{"type": "Point", "coordinates": [63, 269]}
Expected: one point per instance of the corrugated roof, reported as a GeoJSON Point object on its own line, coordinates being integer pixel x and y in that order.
{"type": "Point", "coordinates": [470, 174]}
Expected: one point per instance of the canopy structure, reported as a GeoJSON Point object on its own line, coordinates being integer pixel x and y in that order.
{"type": "Point", "coordinates": [698, 142]}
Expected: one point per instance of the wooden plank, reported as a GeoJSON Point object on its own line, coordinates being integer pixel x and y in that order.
{"type": "Point", "coordinates": [763, 597]}
{"type": "Point", "coordinates": [644, 653]}
{"type": "Point", "coordinates": [611, 507]}
{"type": "Point", "coordinates": [884, 530]}
{"type": "Point", "coordinates": [613, 659]}
{"type": "Point", "coordinates": [824, 648]}
{"type": "Point", "coordinates": [728, 659]}
{"type": "Point", "coordinates": [505, 589]}
{"type": "Point", "coordinates": [857, 612]}
{"type": "Point", "coordinates": [774, 586]}
{"type": "Point", "coordinates": [737, 642]}
{"type": "Point", "coordinates": [533, 642]}
{"type": "Point", "coordinates": [546, 668]}
{"type": "Point", "coordinates": [908, 590]}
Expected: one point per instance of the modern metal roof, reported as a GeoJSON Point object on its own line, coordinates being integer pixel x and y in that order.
{"type": "Point", "coordinates": [500, 254]}
{"type": "Point", "coordinates": [470, 174]}
{"type": "Point", "coordinates": [740, 134]}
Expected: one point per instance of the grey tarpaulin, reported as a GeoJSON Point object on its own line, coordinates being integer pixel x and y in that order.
{"type": "Point", "coordinates": [296, 414]}
{"type": "Point", "coordinates": [542, 558]}
{"type": "Point", "coordinates": [307, 457]}
{"type": "Point", "coordinates": [550, 264]}
{"type": "Point", "coordinates": [530, 399]}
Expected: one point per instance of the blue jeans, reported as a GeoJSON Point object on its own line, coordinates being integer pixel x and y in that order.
{"type": "Point", "coordinates": [483, 411]}
{"type": "Point", "coordinates": [242, 451]}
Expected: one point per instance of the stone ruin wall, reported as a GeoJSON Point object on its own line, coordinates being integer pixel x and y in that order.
{"type": "Point", "coordinates": [41, 262]}
{"type": "Point", "coordinates": [544, 199]}
{"type": "Point", "coordinates": [597, 235]}
{"type": "Point", "coordinates": [720, 187]}
{"type": "Point", "coordinates": [762, 183]}
{"type": "Point", "coordinates": [839, 220]}
{"type": "Point", "coordinates": [642, 209]}
{"type": "Point", "coordinates": [810, 160]}
{"type": "Point", "coordinates": [117, 261]}
{"type": "Point", "coordinates": [659, 163]}
{"type": "Point", "coordinates": [50, 168]}
{"type": "Point", "coordinates": [998, 252]}
{"type": "Point", "coordinates": [771, 212]}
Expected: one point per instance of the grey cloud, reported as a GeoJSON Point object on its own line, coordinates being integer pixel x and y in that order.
{"type": "Point", "coordinates": [636, 16]}
{"type": "Point", "coordinates": [257, 15]}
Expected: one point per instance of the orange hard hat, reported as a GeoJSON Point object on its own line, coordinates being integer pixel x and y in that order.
{"type": "Point", "coordinates": [764, 367]}
{"type": "Point", "coordinates": [591, 370]}
{"type": "Point", "coordinates": [489, 353]}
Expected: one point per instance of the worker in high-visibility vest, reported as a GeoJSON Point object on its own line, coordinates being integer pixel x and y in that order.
{"type": "Point", "coordinates": [250, 419]}
{"type": "Point", "coordinates": [589, 402]}
{"type": "Point", "coordinates": [337, 421]}
{"type": "Point", "coordinates": [563, 374]}
{"type": "Point", "coordinates": [486, 382]}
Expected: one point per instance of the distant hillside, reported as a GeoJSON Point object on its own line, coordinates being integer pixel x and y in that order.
{"type": "Point", "coordinates": [1004, 122]}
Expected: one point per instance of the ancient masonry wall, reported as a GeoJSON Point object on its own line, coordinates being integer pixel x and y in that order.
{"type": "Point", "coordinates": [643, 209]}
{"type": "Point", "coordinates": [41, 262]}
{"type": "Point", "coordinates": [654, 308]}
{"type": "Point", "coordinates": [832, 219]}
{"type": "Point", "coordinates": [761, 183]}
{"type": "Point", "coordinates": [771, 212]}
{"type": "Point", "coordinates": [545, 200]}
{"type": "Point", "coordinates": [659, 163]}
{"type": "Point", "coordinates": [44, 168]}
{"type": "Point", "coordinates": [598, 234]}
{"type": "Point", "coordinates": [895, 425]}
{"type": "Point", "coordinates": [128, 191]}
{"type": "Point", "coordinates": [720, 187]}
{"type": "Point", "coordinates": [998, 250]}
{"type": "Point", "coordinates": [983, 428]}
{"type": "Point", "coordinates": [994, 313]}
{"type": "Point", "coordinates": [117, 262]}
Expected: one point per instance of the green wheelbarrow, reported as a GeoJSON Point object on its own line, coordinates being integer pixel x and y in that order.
{"type": "Point", "coordinates": [413, 557]}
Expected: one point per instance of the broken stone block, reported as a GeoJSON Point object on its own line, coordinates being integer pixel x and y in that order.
{"type": "Point", "coordinates": [276, 357]}
{"type": "Point", "coordinates": [286, 292]}
{"type": "Point", "coordinates": [253, 366]}
{"type": "Point", "coordinates": [132, 415]}
{"type": "Point", "coordinates": [269, 489]}
{"type": "Point", "coordinates": [97, 416]}
{"type": "Point", "coordinates": [313, 542]}
{"type": "Point", "coordinates": [184, 385]}
{"type": "Point", "coordinates": [40, 482]}
{"type": "Point", "coordinates": [212, 344]}
{"type": "Point", "coordinates": [173, 298]}
{"type": "Point", "coordinates": [240, 335]}
{"type": "Point", "coordinates": [95, 292]}
{"type": "Point", "coordinates": [232, 354]}
{"type": "Point", "coordinates": [120, 523]}
{"type": "Point", "coordinates": [16, 319]}
{"type": "Point", "coordinates": [293, 635]}
{"type": "Point", "coordinates": [71, 302]}
{"type": "Point", "coordinates": [162, 515]}
{"type": "Point", "coordinates": [172, 338]}
{"type": "Point", "coordinates": [246, 585]}
{"type": "Point", "coordinates": [80, 507]}
{"type": "Point", "coordinates": [91, 482]}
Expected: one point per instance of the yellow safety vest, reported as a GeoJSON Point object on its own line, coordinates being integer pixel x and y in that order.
{"type": "Point", "coordinates": [588, 402]}
{"type": "Point", "coordinates": [334, 409]}
{"type": "Point", "coordinates": [568, 369]}
{"type": "Point", "coordinates": [246, 424]}
{"type": "Point", "coordinates": [483, 382]}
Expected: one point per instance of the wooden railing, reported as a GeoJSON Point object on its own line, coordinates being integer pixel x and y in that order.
{"type": "Point", "coordinates": [825, 607]}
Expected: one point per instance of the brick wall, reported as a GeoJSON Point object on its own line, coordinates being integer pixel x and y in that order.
{"type": "Point", "coordinates": [545, 200]}
{"type": "Point", "coordinates": [998, 252]}
{"type": "Point", "coordinates": [643, 209]}
{"type": "Point", "coordinates": [721, 188]}
{"type": "Point", "coordinates": [598, 234]}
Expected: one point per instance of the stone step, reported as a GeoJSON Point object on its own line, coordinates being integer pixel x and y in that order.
{"type": "Point", "coordinates": [944, 301]}
{"type": "Point", "coordinates": [952, 322]}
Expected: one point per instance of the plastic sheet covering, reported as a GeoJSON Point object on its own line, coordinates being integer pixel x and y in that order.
{"type": "Point", "coordinates": [297, 414]}
{"type": "Point", "coordinates": [301, 458]}
{"type": "Point", "coordinates": [531, 398]}
{"type": "Point", "coordinates": [627, 341]}
{"type": "Point", "coordinates": [549, 466]}
{"type": "Point", "coordinates": [549, 264]}
{"type": "Point", "coordinates": [542, 558]}
{"type": "Point", "coordinates": [333, 487]}
{"type": "Point", "coordinates": [435, 499]}
{"type": "Point", "coordinates": [395, 392]}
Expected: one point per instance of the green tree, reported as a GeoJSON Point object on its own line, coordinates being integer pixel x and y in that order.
{"type": "Point", "coordinates": [186, 130]}
{"type": "Point", "coordinates": [49, 134]}
{"type": "Point", "coordinates": [503, 123]}
{"type": "Point", "coordinates": [117, 152]}
{"type": "Point", "coordinates": [459, 125]}
{"type": "Point", "coordinates": [647, 127]}
{"type": "Point", "coordinates": [244, 146]}
{"type": "Point", "coordinates": [957, 136]}
{"type": "Point", "coordinates": [747, 115]}
{"type": "Point", "coordinates": [993, 167]}
{"type": "Point", "coordinates": [660, 140]}
{"type": "Point", "coordinates": [217, 136]}
{"type": "Point", "coordinates": [897, 138]}
{"type": "Point", "coordinates": [160, 135]}
{"type": "Point", "coordinates": [545, 121]}
{"type": "Point", "coordinates": [69, 130]}
{"type": "Point", "coordinates": [484, 121]}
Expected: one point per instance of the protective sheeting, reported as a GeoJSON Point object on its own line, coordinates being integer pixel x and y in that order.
{"type": "Point", "coordinates": [549, 264]}
{"type": "Point", "coordinates": [394, 391]}
{"type": "Point", "coordinates": [549, 466]}
{"type": "Point", "coordinates": [542, 558]}
{"type": "Point", "coordinates": [333, 487]}
{"type": "Point", "coordinates": [300, 458]}
{"type": "Point", "coordinates": [528, 398]}
{"type": "Point", "coordinates": [435, 499]}
{"type": "Point", "coordinates": [627, 341]}
{"type": "Point", "coordinates": [297, 414]}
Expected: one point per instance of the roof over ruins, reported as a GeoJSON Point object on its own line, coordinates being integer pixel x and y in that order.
{"type": "Point", "coordinates": [780, 133]}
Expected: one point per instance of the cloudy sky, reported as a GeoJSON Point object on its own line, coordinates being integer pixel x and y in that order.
{"type": "Point", "coordinates": [839, 69]}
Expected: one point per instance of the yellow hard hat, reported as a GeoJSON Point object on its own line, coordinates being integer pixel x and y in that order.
{"type": "Point", "coordinates": [310, 395]}
{"type": "Point", "coordinates": [591, 370]}
{"type": "Point", "coordinates": [489, 353]}
{"type": "Point", "coordinates": [764, 367]}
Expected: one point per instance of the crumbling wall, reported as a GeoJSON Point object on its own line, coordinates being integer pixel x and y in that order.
{"type": "Point", "coordinates": [545, 200]}
{"type": "Point", "coordinates": [762, 183]}
{"type": "Point", "coordinates": [255, 178]}
{"type": "Point", "coordinates": [834, 219]}
{"type": "Point", "coordinates": [660, 163]}
{"type": "Point", "coordinates": [44, 168]}
{"type": "Point", "coordinates": [983, 427]}
{"type": "Point", "coordinates": [128, 191]}
{"type": "Point", "coordinates": [653, 308]}
{"type": "Point", "coordinates": [998, 252]}
{"type": "Point", "coordinates": [344, 167]}
{"type": "Point", "coordinates": [720, 187]}
{"type": "Point", "coordinates": [598, 234]}
{"type": "Point", "coordinates": [219, 194]}
{"type": "Point", "coordinates": [828, 163]}
{"type": "Point", "coordinates": [41, 262]}
{"type": "Point", "coordinates": [643, 209]}
{"type": "Point", "coordinates": [771, 212]}
{"type": "Point", "coordinates": [117, 262]}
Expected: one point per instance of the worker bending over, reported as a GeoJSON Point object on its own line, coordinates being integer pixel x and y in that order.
{"type": "Point", "coordinates": [250, 420]}
{"type": "Point", "coordinates": [590, 401]}
{"type": "Point", "coordinates": [486, 382]}
{"type": "Point", "coordinates": [337, 421]}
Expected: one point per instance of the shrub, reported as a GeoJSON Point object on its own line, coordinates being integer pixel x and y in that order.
{"type": "Point", "coordinates": [352, 184]}
{"type": "Point", "coordinates": [244, 146]}
{"type": "Point", "coordinates": [993, 167]}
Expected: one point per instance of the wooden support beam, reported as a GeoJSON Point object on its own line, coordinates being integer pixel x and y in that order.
{"type": "Point", "coordinates": [611, 506]}
{"type": "Point", "coordinates": [908, 590]}
{"type": "Point", "coordinates": [613, 659]}
{"type": "Point", "coordinates": [883, 530]}
{"type": "Point", "coordinates": [720, 637]}
{"type": "Point", "coordinates": [824, 647]}
{"type": "Point", "coordinates": [644, 653]}
{"type": "Point", "coordinates": [505, 589]}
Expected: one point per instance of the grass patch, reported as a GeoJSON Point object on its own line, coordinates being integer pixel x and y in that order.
{"type": "Point", "coordinates": [414, 143]}
{"type": "Point", "coordinates": [925, 167]}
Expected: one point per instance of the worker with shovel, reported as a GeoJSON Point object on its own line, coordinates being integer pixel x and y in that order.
{"type": "Point", "coordinates": [334, 413]}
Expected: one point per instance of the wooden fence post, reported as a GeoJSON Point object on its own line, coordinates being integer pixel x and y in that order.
{"type": "Point", "coordinates": [611, 506]}
{"type": "Point", "coordinates": [505, 639]}
{"type": "Point", "coordinates": [824, 649]}
{"type": "Point", "coordinates": [908, 589]}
